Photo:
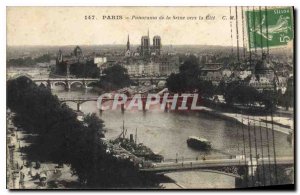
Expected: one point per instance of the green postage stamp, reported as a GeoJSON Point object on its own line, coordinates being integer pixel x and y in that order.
{"type": "Point", "coordinates": [269, 27]}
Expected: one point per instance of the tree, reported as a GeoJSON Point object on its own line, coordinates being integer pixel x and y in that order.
{"type": "Point", "coordinates": [176, 83]}
{"type": "Point", "coordinates": [115, 77]}
{"type": "Point", "coordinates": [237, 93]}
{"type": "Point", "coordinates": [241, 94]}
{"type": "Point", "coordinates": [229, 97]}
{"type": "Point", "coordinates": [188, 77]}
{"type": "Point", "coordinates": [190, 64]}
{"type": "Point", "coordinates": [78, 69]}
{"type": "Point", "coordinates": [206, 88]}
{"type": "Point", "coordinates": [61, 138]}
{"type": "Point", "coordinates": [289, 94]}
{"type": "Point", "coordinates": [87, 69]}
{"type": "Point", "coordinates": [221, 89]}
{"type": "Point", "coordinates": [95, 124]}
{"type": "Point", "coordinates": [269, 98]}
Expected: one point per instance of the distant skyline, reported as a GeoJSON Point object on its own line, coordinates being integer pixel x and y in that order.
{"type": "Point", "coordinates": [123, 45]}
{"type": "Point", "coordinates": [59, 26]}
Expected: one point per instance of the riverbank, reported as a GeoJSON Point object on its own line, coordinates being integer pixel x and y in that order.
{"type": "Point", "coordinates": [24, 174]}
{"type": "Point", "coordinates": [281, 124]}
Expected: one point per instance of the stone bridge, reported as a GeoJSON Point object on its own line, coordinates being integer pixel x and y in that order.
{"type": "Point", "coordinates": [151, 80]}
{"type": "Point", "coordinates": [84, 82]}
{"type": "Point", "coordinates": [234, 167]}
{"type": "Point", "coordinates": [66, 82]}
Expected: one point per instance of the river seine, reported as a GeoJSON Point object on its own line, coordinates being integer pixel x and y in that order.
{"type": "Point", "coordinates": [166, 134]}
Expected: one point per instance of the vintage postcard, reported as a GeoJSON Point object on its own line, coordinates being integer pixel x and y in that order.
{"type": "Point", "coordinates": [150, 97]}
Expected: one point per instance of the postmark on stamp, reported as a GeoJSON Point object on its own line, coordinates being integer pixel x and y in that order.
{"type": "Point", "coordinates": [269, 27]}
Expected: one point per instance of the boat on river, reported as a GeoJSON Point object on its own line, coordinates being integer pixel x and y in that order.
{"type": "Point", "coordinates": [198, 143]}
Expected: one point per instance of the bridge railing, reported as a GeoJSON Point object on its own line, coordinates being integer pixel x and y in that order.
{"type": "Point", "coordinates": [78, 99]}
{"type": "Point", "coordinates": [200, 157]}
{"type": "Point", "coordinates": [65, 79]}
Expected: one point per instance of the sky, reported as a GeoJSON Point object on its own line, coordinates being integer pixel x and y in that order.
{"type": "Point", "coordinates": [68, 26]}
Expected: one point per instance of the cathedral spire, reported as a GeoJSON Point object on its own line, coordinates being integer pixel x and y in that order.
{"type": "Point", "coordinates": [128, 43]}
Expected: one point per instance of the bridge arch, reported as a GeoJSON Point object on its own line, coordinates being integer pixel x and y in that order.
{"type": "Point", "coordinates": [60, 83]}
{"type": "Point", "coordinates": [77, 102]}
{"type": "Point", "coordinates": [77, 82]}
